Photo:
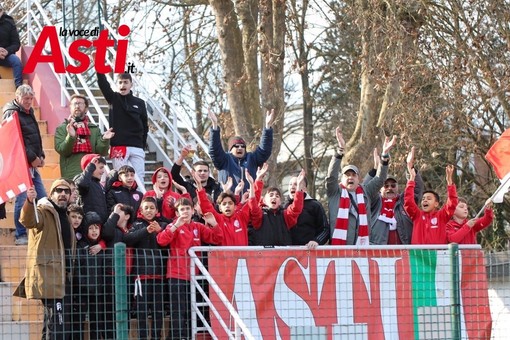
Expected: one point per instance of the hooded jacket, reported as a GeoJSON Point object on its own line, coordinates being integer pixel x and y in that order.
{"type": "Point", "coordinates": [91, 192]}
{"type": "Point", "coordinates": [127, 116]}
{"type": "Point", "coordinates": [9, 36]}
{"type": "Point", "coordinates": [90, 268]}
{"type": "Point", "coordinates": [166, 203]}
{"type": "Point", "coordinates": [29, 130]}
{"type": "Point", "coordinates": [45, 273]}
{"type": "Point", "coordinates": [229, 165]}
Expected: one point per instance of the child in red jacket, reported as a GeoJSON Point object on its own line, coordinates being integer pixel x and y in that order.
{"type": "Point", "coordinates": [233, 221]}
{"type": "Point", "coordinates": [429, 223]}
{"type": "Point", "coordinates": [181, 235]}
{"type": "Point", "coordinates": [463, 231]}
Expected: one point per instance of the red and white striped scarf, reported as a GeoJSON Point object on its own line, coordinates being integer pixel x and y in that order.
{"type": "Point", "coordinates": [342, 219]}
{"type": "Point", "coordinates": [387, 213]}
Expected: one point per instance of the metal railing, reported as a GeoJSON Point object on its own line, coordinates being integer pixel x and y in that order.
{"type": "Point", "coordinates": [169, 130]}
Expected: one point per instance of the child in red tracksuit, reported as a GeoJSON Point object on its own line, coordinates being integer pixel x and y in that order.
{"type": "Point", "coordinates": [463, 231]}
{"type": "Point", "coordinates": [181, 235]}
{"type": "Point", "coordinates": [429, 224]}
{"type": "Point", "coordinates": [276, 222]}
{"type": "Point", "coordinates": [232, 220]}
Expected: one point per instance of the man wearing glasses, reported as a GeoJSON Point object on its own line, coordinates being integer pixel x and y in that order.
{"type": "Point", "coordinates": [51, 245]}
{"type": "Point", "coordinates": [392, 224]}
{"type": "Point", "coordinates": [77, 137]}
{"type": "Point", "coordinates": [238, 159]}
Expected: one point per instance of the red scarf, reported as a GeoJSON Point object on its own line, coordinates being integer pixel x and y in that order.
{"type": "Point", "coordinates": [387, 213]}
{"type": "Point", "coordinates": [342, 219]}
{"type": "Point", "coordinates": [82, 143]}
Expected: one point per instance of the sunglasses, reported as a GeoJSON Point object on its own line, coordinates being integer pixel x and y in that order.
{"type": "Point", "coordinates": [239, 146]}
{"type": "Point", "coordinates": [392, 185]}
{"type": "Point", "coordinates": [61, 190]}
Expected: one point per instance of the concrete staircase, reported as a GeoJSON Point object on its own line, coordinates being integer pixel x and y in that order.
{"type": "Point", "coordinates": [20, 318]}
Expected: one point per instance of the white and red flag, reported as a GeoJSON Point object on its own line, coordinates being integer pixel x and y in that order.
{"type": "Point", "coordinates": [499, 156]}
{"type": "Point", "coordinates": [15, 177]}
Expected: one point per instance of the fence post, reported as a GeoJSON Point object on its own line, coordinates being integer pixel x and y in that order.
{"type": "Point", "coordinates": [121, 303]}
{"type": "Point", "coordinates": [453, 251]}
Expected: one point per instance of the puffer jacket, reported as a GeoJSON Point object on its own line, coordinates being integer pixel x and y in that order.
{"type": "Point", "coordinates": [29, 129]}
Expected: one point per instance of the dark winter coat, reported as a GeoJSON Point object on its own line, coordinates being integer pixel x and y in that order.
{"type": "Point", "coordinates": [29, 130]}
{"type": "Point", "coordinates": [9, 36]}
{"type": "Point", "coordinates": [91, 192]}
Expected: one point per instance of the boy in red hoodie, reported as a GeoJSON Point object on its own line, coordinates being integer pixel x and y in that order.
{"type": "Point", "coordinates": [429, 224]}
{"type": "Point", "coordinates": [233, 221]}
{"type": "Point", "coordinates": [181, 235]}
{"type": "Point", "coordinates": [463, 231]}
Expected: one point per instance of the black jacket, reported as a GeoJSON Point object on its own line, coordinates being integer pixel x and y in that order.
{"type": "Point", "coordinates": [149, 257]}
{"type": "Point", "coordinates": [9, 36]}
{"type": "Point", "coordinates": [272, 232]}
{"type": "Point", "coordinates": [212, 187]}
{"type": "Point", "coordinates": [117, 193]}
{"type": "Point", "coordinates": [92, 195]}
{"type": "Point", "coordinates": [89, 268]}
{"type": "Point", "coordinates": [127, 116]}
{"type": "Point", "coordinates": [312, 223]}
{"type": "Point", "coordinates": [29, 130]}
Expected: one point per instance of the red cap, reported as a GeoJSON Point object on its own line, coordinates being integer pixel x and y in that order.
{"type": "Point", "coordinates": [85, 160]}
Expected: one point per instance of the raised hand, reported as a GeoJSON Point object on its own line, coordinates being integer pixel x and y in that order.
{"type": "Point", "coordinates": [340, 139]}
{"type": "Point", "coordinates": [410, 159]}
{"type": "Point", "coordinates": [261, 172]}
{"type": "Point", "coordinates": [301, 180]}
{"type": "Point", "coordinates": [388, 144]}
{"type": "Point", "coordinates": [213, 118]}
{"type": "Point", "coordinates": [186, 150]}
{"type": "Point", "coordinates": [239, 187]}
{"type": "Point", "coordinates": [412, 174]}
{"type": "Point", "coordinates": [196, 178]}
{"type": "Point", "coordinates": [377, 158]}
{"type": "Point", "coordinates": [228, 185]}
{"type": "Point", "coordinates": [449, 174]}
{"type": "Point", "coordinates": [179, 187]}
{"type": "Point", "coordinates": [269, 118]}
{"type": "Point", "coordinates": [209, 219]}
{"type": "Point", "coordinates": [31, 194]}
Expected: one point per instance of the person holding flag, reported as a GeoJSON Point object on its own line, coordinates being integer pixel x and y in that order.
{"type": "Point", "coordinates": [499, 156]}
{"type": "Point", "coordinates": [22, 106]}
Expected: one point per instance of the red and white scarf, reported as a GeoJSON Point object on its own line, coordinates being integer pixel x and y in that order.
{"type": "Point", "coordinates": [342, 219]}
{"type": "Point", "coordinates": [387, 213]}
{"type": "Point", "coordinates": [82, 143]}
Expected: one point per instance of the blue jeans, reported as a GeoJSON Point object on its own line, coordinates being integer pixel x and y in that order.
{"type": "Point", "coordinates": [14, 62]}
{"type": "Point", "coordinates": [21, 198]}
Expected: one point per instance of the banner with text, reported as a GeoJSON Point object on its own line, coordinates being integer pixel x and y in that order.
{"type": "Point", "coordinates": [362, 294]}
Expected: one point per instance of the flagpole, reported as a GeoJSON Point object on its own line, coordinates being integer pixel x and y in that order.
{"type": "Point", "coordinates": [502, 186]}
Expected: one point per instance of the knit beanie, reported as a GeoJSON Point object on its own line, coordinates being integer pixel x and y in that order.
{"type": "Point", "coordinates": [235, 140]}
{"type": "Point", "coordinates": [59, 182]}
{"type": "Point", "coordinates": [85, 160]}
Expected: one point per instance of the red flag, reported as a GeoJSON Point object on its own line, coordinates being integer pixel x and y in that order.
{"type": "Point", "coordinates": [14, 174]}
{"type": "Point", "coordinates": [499, 155]}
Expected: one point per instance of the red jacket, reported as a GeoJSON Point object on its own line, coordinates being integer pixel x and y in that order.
{"type": "Point", "coordinates": [186, 236]}
{"type": "Point", "coordinates": [461, 233]}
{"type": "Point", "coordinates": [429, 228]}
{"type": "Point", "coordinates": [167, 202]}
{"type": "Point", "coordinates": [235, 227]}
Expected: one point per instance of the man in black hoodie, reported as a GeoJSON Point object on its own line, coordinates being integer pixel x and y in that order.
{"type": "Point", "coordinates": [9, 45]}
{"type": "Point", "coordinates": [128, 118]}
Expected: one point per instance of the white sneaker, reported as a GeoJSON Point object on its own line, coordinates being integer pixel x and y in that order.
{"type": "Point", "coordinates": [21, 241]}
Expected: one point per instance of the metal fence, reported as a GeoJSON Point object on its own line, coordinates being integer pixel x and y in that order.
{"type": "Point", "coordinates": [266, 293]}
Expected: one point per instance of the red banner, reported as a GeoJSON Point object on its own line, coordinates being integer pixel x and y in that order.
{"type": "Point", "coordinates": [14, 174]}
{"type": "Point", "coordinates": [370, 294]}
